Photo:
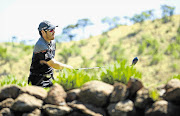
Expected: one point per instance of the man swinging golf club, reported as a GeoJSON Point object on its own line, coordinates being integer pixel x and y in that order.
{"type": "Point", "coordinates": [43, 62]}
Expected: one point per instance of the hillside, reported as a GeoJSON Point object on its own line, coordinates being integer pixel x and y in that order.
{"type": "Point", "coordinates": [150, 41]}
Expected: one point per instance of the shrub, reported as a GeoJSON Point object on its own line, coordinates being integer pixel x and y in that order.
{"type": "Point", "coordinates": [66, 53]}
{"type": "Point", "coordinates": [102, 41]}
{"type": "Point", "coordinates": [86, 62]}
{"type": "Point", "coordinates": [75, 50]}
{"type": "Point", "coordinates": [173, 49]}
{"type": "Point", "coordinates": [156, 59]}
{"type": "Point", "coordinates": [150, 44]}
{"type": "Point", "coordinates": [71, 79]}
{"type": "Point", "coordinates": [117, 52]}
{"type": "Point", "coordinates": [3, 53]}
{"type": "Point", "coordinates": [119, 72]}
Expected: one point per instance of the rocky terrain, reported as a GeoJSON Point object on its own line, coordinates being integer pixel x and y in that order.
{"type": "Point", "coordinates": [94, 98]}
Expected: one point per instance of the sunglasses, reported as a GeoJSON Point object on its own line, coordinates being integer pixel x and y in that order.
{"type": "Point", "coordinates": [50, 30]}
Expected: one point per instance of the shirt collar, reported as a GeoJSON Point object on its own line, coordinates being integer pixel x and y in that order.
{"type": "Point", "coordinates": [48, 43]}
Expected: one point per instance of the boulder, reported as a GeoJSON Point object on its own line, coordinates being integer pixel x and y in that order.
{"type": "Point", "coordinates": [73, 95]}
{"type": "Point", "coordinates": [163, 108]}
{"type": "Point", "coordinates": [54, 110]}
{"type": "Point", "coordinates": [143, 99]}
{"type": "Point", "coordinates": [6, 112]}
{"type": "Point", "coordinates": [26, 103]}
{"type": "Point", "coordinates": [119, 93]}
{"type": "Point", "coordinates": [173, 83]}
{"type": "Point", "coordinates": [173, 95]}
{"type": "Point", "coordinates": [122, 108]}
{"type": "Point", "coordinates": [7, 103]}
{"type": "Point", "coordinates": [36, 91]}
{"type": "Point", "coordinates": [95, 93]}
{"type": "Point", "coordinates": [133, 86]}
{"type": "Point", "coordinates": [56, 95]}
{"type": "Point", "coordinates": [35, 112]}
{"type": "Point", "coordinates": [82, 110]}
{"type": "Point", "coordinates": [9, 92]}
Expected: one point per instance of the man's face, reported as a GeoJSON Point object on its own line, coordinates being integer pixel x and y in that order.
{"type": "Point", "coordinates": [50, 34]}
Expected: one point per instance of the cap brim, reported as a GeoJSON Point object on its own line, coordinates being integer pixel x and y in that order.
{"type": "Point", "coordinates": [52, 27]}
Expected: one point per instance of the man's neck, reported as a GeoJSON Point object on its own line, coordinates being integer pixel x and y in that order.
{"type": "Point", "coordinates": [46, 39]}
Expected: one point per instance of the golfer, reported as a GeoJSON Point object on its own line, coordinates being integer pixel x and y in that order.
{"type": "Point", "coordinates": [43, 62]}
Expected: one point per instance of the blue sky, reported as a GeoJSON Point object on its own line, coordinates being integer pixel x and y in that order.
{"type": "Point", "coordinates": [21, 17]}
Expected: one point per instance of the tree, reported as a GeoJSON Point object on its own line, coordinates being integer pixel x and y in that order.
{"type": "Point", "coordinates": [112, 22]}
{"type": "Point", "coordinates": [82, 23]}
{"type": "Point", "coordinates": [140, 18]}
{"type": "Point", "coordinates": [167, 11]}
{"type": "Point", "coordinates": [69, 31]}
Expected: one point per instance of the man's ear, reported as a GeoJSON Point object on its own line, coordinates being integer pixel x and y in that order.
{"type": "Point", "coordinates": [43, 32]}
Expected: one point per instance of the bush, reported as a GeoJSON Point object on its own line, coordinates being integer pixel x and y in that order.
{"type": "Point", "coordinates": [173, 49]}
{"type": "Point", "coordinates": [71, 79]}
{"type": "Point", "coordinates": [119, 72]}
{"type": "Point", "coordinates": [3, 53]}
{"type": "Point", "coordinates": [86, 62]}
{"type": "Point", "coordinates": [150, 44]}
{"type": "Point", "coordinates": [156, 59]}
{"type": "Point", "coordinates": [117, 52]}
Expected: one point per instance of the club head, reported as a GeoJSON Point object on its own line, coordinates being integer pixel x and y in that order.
{"type": "Point", "coordinates": [135, 60]}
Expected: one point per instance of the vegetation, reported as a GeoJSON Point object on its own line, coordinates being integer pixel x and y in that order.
{"type": "Point", "coordinates": [11, 79]}
{"type": "Point", "coordinates": [156, 44]}
{"type": "Point", "coordinates": [119, 72]}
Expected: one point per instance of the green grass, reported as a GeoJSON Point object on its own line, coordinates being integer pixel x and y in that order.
{"type": "Point", "coordinates": [71, 79]}
{"type": "Point", "coordinates": [176, 77]}
{"type": "Point", "coordinates": [11, 79]}
{"type": "Point", "coordinates": [119, 72]}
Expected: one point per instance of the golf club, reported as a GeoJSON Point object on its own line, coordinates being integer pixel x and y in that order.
{"type": "Point", "coordinates": [134, 61]}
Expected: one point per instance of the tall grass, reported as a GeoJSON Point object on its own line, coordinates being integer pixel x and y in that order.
{"type": "Point", "coordinates": [11, 79]}
{"type": "Point", "coordinates": [119, 72]}
{"type": "Point", "coordinates": [71, 79]}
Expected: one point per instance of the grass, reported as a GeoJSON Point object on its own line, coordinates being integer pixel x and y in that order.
{"type": "Point", "coordinates": [11, 79]}
{"type": "Point", "coordinates": [120, 72]}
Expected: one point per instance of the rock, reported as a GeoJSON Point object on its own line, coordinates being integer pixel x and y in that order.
{"type": "Point", "coordinates": [54, 110]}
{"type": "Point", "coordinates": [56, 95]}
{"type": "Point", "coordinates": [35, 112]}
{"type": "Point", "coordinates": [173, 95]}
{"type": "Point", "coordinates": [7, 103]}
{"type": "Point", "coordinates": [143, 99]}
{"type": "Point", "coordinates": [119, 93]}
{"type": "Point", "coordinates": [26, 102]}
{"type": "Point", "coordinates": [122, 108]}
{"type": "Point", "coordinates": [95, 93]}
{"type": "Point", "coordinates": [73, 95]}
{"type": "Point", "coordinates": [133, 86]}
{"type": "Point", "coordinates": [163, 108]}
{"type": "Point", "coordinates": [6, 112]}
{"type": "Point", "coordinates": [173, 83]}
{"type": "Point", "coordinates": [36, 91]}
{"type": "Point", "coordinates": [86, 107]}
{"type": "Point", "coordinates": [9, 92]}
{"type": "Point", "coordinates": [83, 110]}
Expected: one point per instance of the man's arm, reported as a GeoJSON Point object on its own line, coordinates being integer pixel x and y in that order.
{"type": "Point", "coordinates": [56, 65]}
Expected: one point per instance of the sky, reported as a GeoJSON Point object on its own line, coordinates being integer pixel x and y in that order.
{"type": "Point", "coordinates": [21, 18]}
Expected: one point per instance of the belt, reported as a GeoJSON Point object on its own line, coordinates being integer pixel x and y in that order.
{"type": "Point", "coordinates": [44, 75]}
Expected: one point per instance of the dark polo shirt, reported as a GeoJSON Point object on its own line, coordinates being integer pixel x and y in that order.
{"type": "Point", "coordinates": [43, 50]}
